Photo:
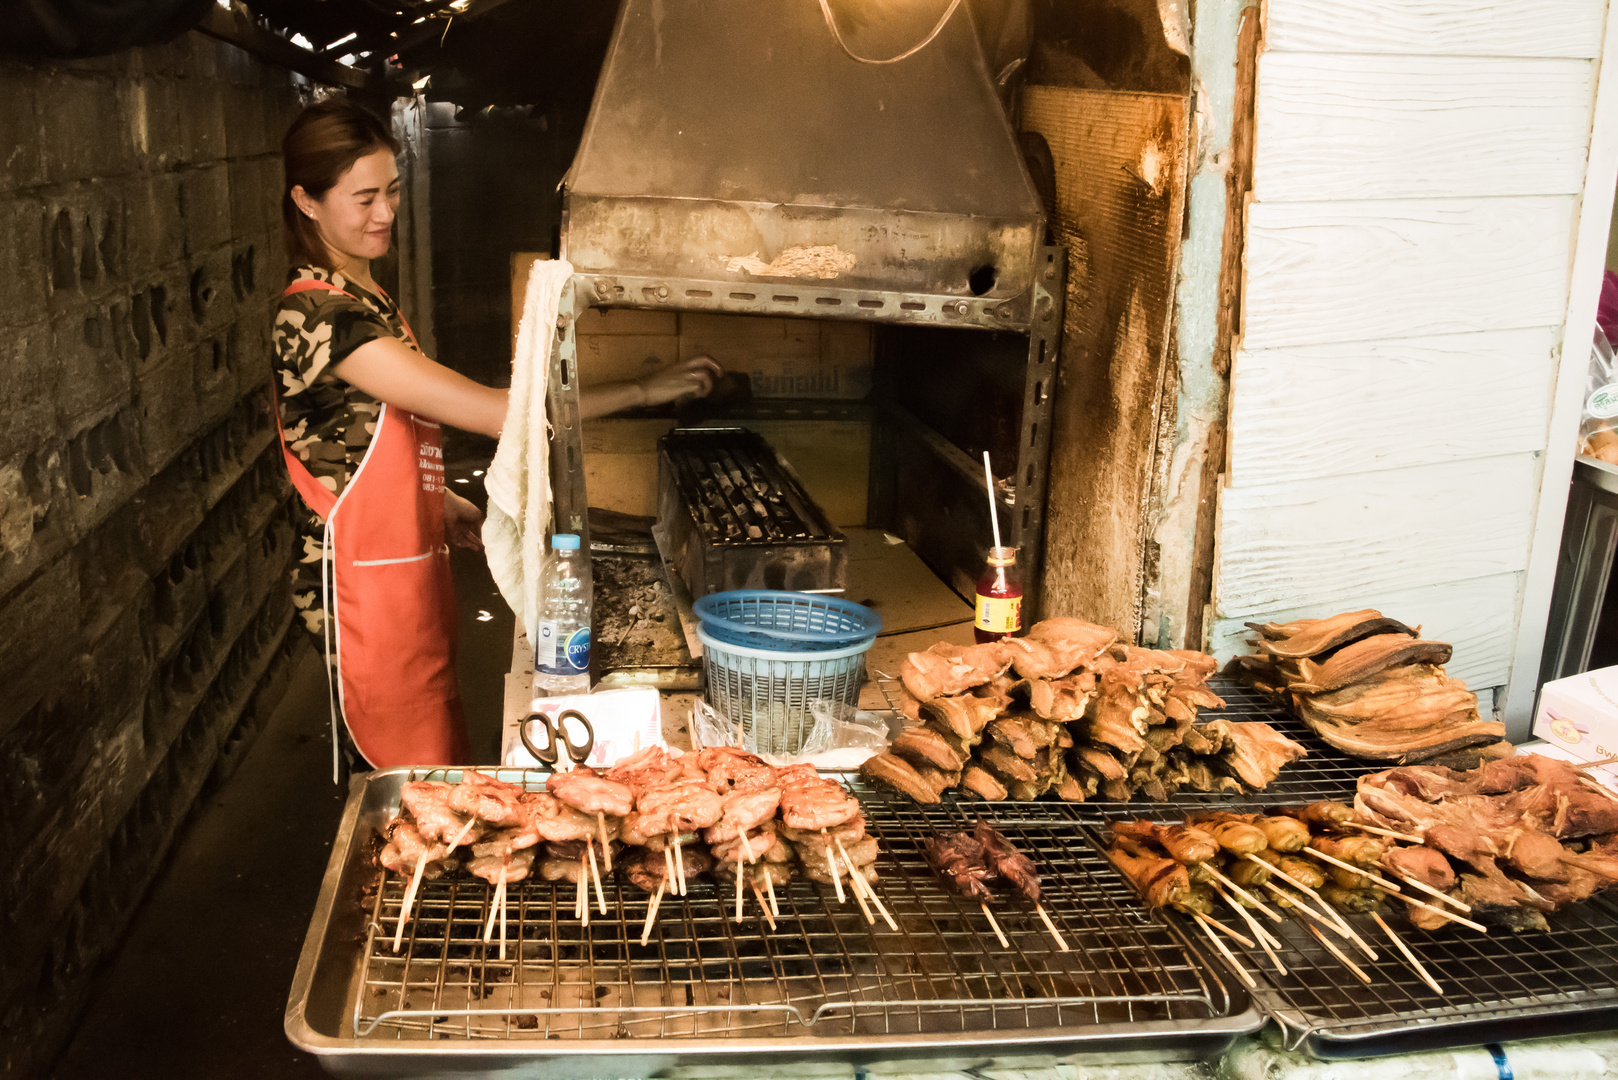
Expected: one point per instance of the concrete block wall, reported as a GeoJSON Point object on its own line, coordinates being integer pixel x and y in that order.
{"type": "Point", "coordinates": [145, 536]}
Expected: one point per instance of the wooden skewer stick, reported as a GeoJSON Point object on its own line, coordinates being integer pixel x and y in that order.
{"type": "Point", "coordinates": [494, 912]}
{"type": "Point", "coordinates": [1430, 891]}
{"type": "Point", "coordinates": [1264, 937]}
{"type": "Point", "coordinates": [1351, 868]}
{"type": "Point", "coordinates": [1446, 913]}
{"type": "Point", "coordinates": [1230, 957]}
{"type": "Point", "coordinates": [1593, 764]}
{"type": "Point", "coordinates": [856, 878]}
{"type": "Point", "coordinates": [410, 898]}
{"type": "Point", "coordinates": [606, 848]}
{"type": "Point", "coordinates": [502, 917]}
{"type": "Point", "coordinates": [1235, 935]}
{"type": "Point", "coordinates": [1410, 837]}
{"type": "Point", "coordinates": [651, 913]}
{"type": "Point", "coordinates": [1331, 918]}
{"type": "Point", "coordinates": [747, 849]}
{"type": "Point", "coordinates": [764, 907]}
{"type": "Point", "coordinates": [836, 875]}
{"type": "Point", "coordinates": [455, 843]}
{"type": "Point", "coordinates": [1335, 951]}
{"type": "Point", "coordinates": [1241, 892]}
{"type": "Point", "coordinates": [738, 892]}
{"type": "Point", "coordinates": [987, 914]}
{"type": "Point", "coordinates": [601, 897]}
{"type": "Point", "coordinates": [584, 891]}
{"type": "Point", "coordinates": [1597, 786]}
{"type": "Point", "coordinates": [668, 867]}
{"type": "Point", "coordinates": [769, 887]}
{"type": "Point", "coordinates": [1061, 943]}
{"type": "Point", "coordinates": [1327, 916]}
{"type": "Point", "coordinates": [1410, 956]}
{"type": "Point", "coordinates": [679, 863]}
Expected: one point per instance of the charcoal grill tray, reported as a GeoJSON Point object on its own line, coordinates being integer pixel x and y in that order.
{"type": "Point", "coordinates": [825, 983]}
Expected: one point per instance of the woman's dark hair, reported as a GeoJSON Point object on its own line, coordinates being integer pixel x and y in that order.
{"type": "Point", "coordinates": [322, 144]}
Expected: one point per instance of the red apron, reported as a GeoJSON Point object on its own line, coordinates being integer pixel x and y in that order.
{"type": "Point", "coordinates": [390, 600]}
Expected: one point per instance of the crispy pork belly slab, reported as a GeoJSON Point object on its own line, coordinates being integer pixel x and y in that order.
{"type": "Point", "coordinates": [1311, 637]}
{"type": "Point", "coordinates": [1055, 647]}
{"type": "Point", "coordinates": [1366, 657]}
{"type": "Point", "coordinates": [923, 746]}
{"type": "Point", "coordinates": [978, 781]}
{"type": "Point", "coordinates": [895, 773]}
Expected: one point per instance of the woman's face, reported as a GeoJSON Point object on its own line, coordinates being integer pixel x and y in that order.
{"type": "Point", "coordinates": [355, 218]}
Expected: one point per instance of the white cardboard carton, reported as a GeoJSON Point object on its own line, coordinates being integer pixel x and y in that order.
{"type": "Point", "coordinates": [1579, 714]}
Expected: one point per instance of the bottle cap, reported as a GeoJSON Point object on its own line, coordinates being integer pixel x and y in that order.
{"type": "Point", "coordinates": [565, 542]}
{"type": "Point", "coordinates": [1002, 556]}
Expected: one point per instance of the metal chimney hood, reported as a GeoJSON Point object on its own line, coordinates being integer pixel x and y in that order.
{"type": "Point", "coordinates": [737, 159]}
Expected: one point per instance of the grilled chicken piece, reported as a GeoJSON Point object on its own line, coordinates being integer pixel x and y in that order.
{"type": "Point", "coordinates": [1062, 699]}
{"type": "Point", "coordinates": [1298, 869]}
{"type": "Point", "coordinates": [895, 773]}
{"type": "Point", "coordinates": [946, 670]}
{"type": "Point", "coordinates": [1184, 843]}
{"type": "Point", "coordinates": [1421, 864]}
{"type": "Point", "coordinates": [1321, 815]}
{"type": "Point", "coordinates": [1284, 833]}
{"type": "Point", "coordinates": [1158, 880]}
{"type": "Point", "coordinates": [1248, 874]}
{"type": "Point", "coordinates": [1236, 833]}
{"type": "Point", "coordinates": [588, 793]}
{"type": "Point", "coordinates": [1054, 647]}
{"type": "Point", "coordinates": [963, 716]}
{"type": "Point", "coordinates": [1364, 851]}
{"type": "Point", "coordinates": [924, 746]}
{"type": "Point", "coordinates": [1354, 900]}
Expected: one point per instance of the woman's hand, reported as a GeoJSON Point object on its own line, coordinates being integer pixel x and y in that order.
{"type": "Point", "coordinates": [463, 522]}
{"type": "Point", "coordinates": [688, 379]}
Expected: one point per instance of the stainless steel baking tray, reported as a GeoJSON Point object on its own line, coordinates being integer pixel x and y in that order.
{"type": "Point", "coordinates": [824, 983]}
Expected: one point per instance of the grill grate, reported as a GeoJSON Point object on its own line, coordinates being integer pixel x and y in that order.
{"type": "Point", "coordinates": [823, 971]}
{"type": "Point", "coordinates": [1505, 983]}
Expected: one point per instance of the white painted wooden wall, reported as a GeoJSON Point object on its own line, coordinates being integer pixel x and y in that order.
{"type": "Point", "coordinates": [1417, 183]}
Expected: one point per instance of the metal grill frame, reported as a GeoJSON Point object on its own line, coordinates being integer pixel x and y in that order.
{"type": "Point", "coordinates": [824, 981]}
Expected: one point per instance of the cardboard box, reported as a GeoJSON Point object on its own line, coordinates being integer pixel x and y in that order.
{"type": "Point", "coordinates": [1579, 714]}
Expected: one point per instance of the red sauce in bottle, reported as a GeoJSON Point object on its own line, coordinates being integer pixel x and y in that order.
{"type": "Point", "coordinates": [999, 597]}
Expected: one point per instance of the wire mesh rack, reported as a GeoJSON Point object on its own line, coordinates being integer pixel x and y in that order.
{"type": "Point", "coordinates": [1495, 986]}
{"type": "Point", "coordinates": [824, 970]}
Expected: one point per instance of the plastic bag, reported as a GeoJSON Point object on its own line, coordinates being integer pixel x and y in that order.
{"type": "Point", "coordinates": [842, 737]}
{"type": "Point", "coordinates": [1598, 427]}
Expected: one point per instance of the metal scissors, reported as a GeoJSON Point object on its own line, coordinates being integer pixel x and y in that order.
{"type": "Point", "coordinates": [557, 738]}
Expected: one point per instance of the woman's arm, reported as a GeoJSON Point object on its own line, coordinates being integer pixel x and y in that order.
{"type": "Point", "coordinates": [392, 372]}
{"type": "Point", "coordinates": [687, 379]}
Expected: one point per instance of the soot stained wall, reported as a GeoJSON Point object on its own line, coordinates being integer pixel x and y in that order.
{"type": "Point", "coordinates": [144, 530]}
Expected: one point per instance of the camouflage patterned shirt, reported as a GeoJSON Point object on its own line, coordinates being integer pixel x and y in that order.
{"type": "Point", "coordinates": [328, 423]}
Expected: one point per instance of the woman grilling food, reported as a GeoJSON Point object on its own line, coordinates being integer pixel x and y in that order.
{"type": "Point", "coordinates": [361, 412]}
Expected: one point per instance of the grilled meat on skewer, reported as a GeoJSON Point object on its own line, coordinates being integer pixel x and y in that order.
{"type": "Point", "coordinates": [428, 804]}
{"type": "Point", "coordinates": [869, 873]}
{"type": "Point", "coordinates": [1158, 880]}
{"type": "Point", "coordinates": [732, 769]}
{"type": "Point", "coordinates": [552, 819]}
{"type": "Point", "coordinates": [1185, 843]}
{"type": "Point", "coordinates": [491, 800]}
{"type": "Point", "coordinates": [1364, 851]}
{"type": "Point", "coordinates": [1009, 864]}
{"type": "Point", "coordinates": [813, 857]}
{"type": "Point", "coordinates": [958, 859]}
{"type": "Point", "coordinates": [501, 842]}
{"type": "Point", "coordinates": [682, 807]}
{"type": "Point", "coordinates": [645, 769]}
{"type": "Point", "coordinates": [497, 868]}
{"type": "Point", "coordinates": [1233, 833]}
{"type": "Point", "coordinates": [588, 793]}
{"type": "Point", "coordinates": [743, 810]}
{"type": "Point", "coordinates": [1283, 833]}
{"type": "Point", "coordinates": [1299, 869]}
{"type": "Point", "coordinates": [759, 841]}
{"type": "Point", "coordinates": [848, 831]}
{"type": "Point", "coordinates": [812, 802]}
{"type": "Point", "coordinates": [1355, 901]}
{"type": "Point", "coordinates": [405, 848]}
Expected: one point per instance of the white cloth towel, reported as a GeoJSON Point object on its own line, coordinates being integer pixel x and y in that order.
{"type": "Point", "coordinates": [519, 478]}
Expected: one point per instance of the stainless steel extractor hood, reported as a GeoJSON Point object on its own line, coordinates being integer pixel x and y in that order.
{"type": "Point", "coordinates": [737, 159]}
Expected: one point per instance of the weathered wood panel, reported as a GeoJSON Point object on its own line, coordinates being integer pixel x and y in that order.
{"type": "Point", "coordinates": [1448, 27]}
{"type": "Point", "coordinates": [1321, 541]}
{"type": "Point", "coordinates": [1120, 195]}
{"type": "Point", "coordinates": [1326, 410]}
{"type": "Point", "coordinates": [1476, 616]}
{"type": "Point", "coordinates": [1387, 127]}
{"type": "Point", "coordinates": [1367, 270]}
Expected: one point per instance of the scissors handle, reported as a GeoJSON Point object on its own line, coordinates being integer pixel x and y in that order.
{"type": "Point", "coordinates": [557, 738]}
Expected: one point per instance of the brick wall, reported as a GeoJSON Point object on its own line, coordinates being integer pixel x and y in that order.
{"type": "Point", "coordinates": [144, 528]}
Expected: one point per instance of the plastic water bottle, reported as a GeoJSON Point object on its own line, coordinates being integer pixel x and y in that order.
{"type": "Point", "coordinates": [562, 645]}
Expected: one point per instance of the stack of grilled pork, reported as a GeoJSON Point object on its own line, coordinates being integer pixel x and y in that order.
{"type": "Point", "coordinates": [1071, 710]}
{"type": "Point", "coordinates": [1370, 686]}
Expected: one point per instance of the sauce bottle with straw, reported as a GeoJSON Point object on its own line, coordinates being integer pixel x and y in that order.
{"type": "Point", "coordinates": [998, 605]}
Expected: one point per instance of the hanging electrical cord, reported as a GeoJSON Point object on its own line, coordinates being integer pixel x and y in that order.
{"type": "Point", "coordinates": [825, 9]}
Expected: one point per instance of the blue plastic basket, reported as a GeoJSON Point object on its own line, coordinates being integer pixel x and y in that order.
{"type": "Point", "coordinates": [768, 691]}
{"type": "Point", "coordinates": [783, 620]}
